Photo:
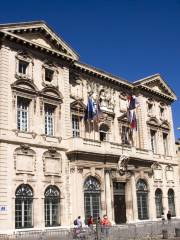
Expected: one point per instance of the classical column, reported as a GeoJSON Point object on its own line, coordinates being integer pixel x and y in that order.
{"type": "Point", "coordinates": [134, 198]}
{"type": "Point", "coordinates": [165, 201]}
{"type": "Point", "coordinates": [108, 194]}
{"type": "Point", "coordinates": [152, 205]}
{"type": "Point", "coordinates": [129, 202]}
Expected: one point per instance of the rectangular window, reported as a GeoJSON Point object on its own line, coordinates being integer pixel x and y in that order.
{"type": "Point", "coordinates": [153, 140]}
{"type": "Point", "coordinates": [150, 108]}
{"type": "Point", "coordinates": [23, 66]}
{"type": "Point", "coordinates": [165, 143]}
{"type": "Point", "coordinates": [49, 119]}
{"type": "Point", "coordinates": [49, 75]}
{"type": "Point", "coordinates": [75, 126]}
{"type": "Point", "coordinates": [22, 114]}
{"type": "Point", "coordinates": [161, 112]}
{"type": "Point", "coordinates": [125, 135]}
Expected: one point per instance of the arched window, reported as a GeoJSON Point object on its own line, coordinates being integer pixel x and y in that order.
{"type": "Point", "coordinates": [23, 206]}
{"type": "Point", "coordinates": [171, 202]}
{"type": "Point", "coordinates": [158, 201]}
{"type": "Point", "coordinates": [142, 199]}
{"type": "Point", "coordinates": [92, 198]}
{"type": "Point", "coordinates": [103, 131]}
{"type": "Point", "coordinates": [51, 203]}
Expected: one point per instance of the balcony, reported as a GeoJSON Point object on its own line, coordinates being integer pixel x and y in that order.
{"type": "Point", "coordinates": [103, 148]}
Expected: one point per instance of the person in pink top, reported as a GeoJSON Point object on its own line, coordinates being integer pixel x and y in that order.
{"type": "Point", "coordinates": [105, 223]}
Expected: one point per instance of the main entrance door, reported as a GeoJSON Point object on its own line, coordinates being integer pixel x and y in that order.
{"type": "Point", "coordinates": [119, 202]}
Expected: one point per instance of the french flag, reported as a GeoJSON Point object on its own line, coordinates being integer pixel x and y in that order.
{"type": "Point", "coordinates": [132, 104]}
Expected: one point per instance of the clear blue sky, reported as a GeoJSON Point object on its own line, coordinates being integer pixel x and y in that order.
{"type": "Point", "coordinates": [132, 39]}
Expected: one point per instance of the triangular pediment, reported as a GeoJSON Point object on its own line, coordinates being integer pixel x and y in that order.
{"type": "Point", "coordinates": [78, 106]}
{"type": "Point", "coordinates": [157, 84]}
{"type": "Point", "coordinates": [41, 34]}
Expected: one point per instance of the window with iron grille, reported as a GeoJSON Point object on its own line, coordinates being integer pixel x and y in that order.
{"type": "Point", "coordinates": [22, 114]}
{"type": "Point", "coordinates": [52, 206]}
{"type": "Point", "coordinates": [23, 206]}
{"type": "Point", "coordinates": [92, 198]}
{"type": "Point", "coordinates": [75, 126]}
{"type": "Point", "coordinates": [158, 201]}
{"type": "Point", "coordinates": [171, 202]}
{"type": "Point", "coordinates": [142, 199]}
{"type": "Point", "coordinates": [49, 119]}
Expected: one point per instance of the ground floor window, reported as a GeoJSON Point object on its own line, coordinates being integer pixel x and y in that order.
{"type": "Point", "coordinates": [51, 202]}
{"type": "Point", "coordinates": [142, 199]}
{"type": "Point", "coordinates": [158, 201]}
{"type": "Point", "coordinates": [171, 202]}
{"type": "Point", "coordinates": [92, 198]}
{"type": "Point", "coordinates": [23, 206]}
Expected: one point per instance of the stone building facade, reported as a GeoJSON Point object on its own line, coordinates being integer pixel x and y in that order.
{"type": "Point", "coordinates": [54, 165]}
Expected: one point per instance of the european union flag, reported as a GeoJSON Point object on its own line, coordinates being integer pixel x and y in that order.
{"type": "Point", "coordinates": [90, 110]}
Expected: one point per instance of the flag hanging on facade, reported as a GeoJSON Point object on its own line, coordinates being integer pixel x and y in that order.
{"type": "Point", "coordinates": [132, 104]}
{"type": "Point", "coordinates": [99, 115]}
{"type": "Point", "coordinates": [90, 110]}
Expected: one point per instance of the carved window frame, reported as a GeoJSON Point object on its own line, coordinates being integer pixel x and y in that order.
{"type": "Point", "coordinates": [24, 150]}
{"type": "Point", "coordinates": [150, 102]}
{"type": "Point", "coordinates": [25, 57]}
{"type": "Point", "coordinates": [53, 155]}
{"type": "Point", "coordinates": [169, 169]}
{"type": "Point", "coordinates": [157, 167]}
{"type": "Point", "coordinates": [52, 67]}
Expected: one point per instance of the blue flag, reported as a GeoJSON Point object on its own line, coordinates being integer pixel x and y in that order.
{"type": "Point", "coordinates": [90, 110]}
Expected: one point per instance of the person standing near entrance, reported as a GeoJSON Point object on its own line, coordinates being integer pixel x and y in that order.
{"type": "Point", "coordinates": [106, 224]}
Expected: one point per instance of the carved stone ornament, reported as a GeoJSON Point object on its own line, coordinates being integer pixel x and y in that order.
{"type": "Point", "coordinates": [80, 170]}
{"type": "Point", "coordinates": [25, 148]}
{"type": "Point", "coordinates": [72, 170]}
{"type": "Point", "coordinates": [122, 164]}
{"type": "Point", "coordinates": [52, 151]}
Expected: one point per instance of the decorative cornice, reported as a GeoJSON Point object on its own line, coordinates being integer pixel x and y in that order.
{"type": "Point", "coordinates": [102, 74]}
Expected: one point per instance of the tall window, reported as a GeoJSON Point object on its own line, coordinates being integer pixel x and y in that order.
{"type": "Point", "coordinates": [23, 67]}
{"type": "Point", "coordinates": [158, 201]}
{"type": "Point", "coordinates": [150, 108]}
{"type": "Point", "coordinates": [142, 199]}
{"type": "Point", "coordinates": [125, 135]}
{"type": "Point", "coordinates": [75, 126]}
{"type": "Point", "coordinates": [49, 75]}
{"type": "Point", "coordinates": [161, 109]}
{"type": "Point", "coordinates": [22, 113]}
{"type": "Point", "coordinates": [23, 206]}
{"type": "Point", "coordinates": [153, 140]}
{"type": "Point", "coordinates": [92, 198]}
{"type": "Point", "coordinates": [165, 143]}
{"type": "Point", "coordinates": [49, 119]}
{"type": "Point", "coordinates": [104, 132]}
{"type": "Point", "coordinates": [51, 203]}
{"type": "Point", "coordinates": [171, 202]}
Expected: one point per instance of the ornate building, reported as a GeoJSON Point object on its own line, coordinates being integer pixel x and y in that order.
{"type": "Point", "coordinates": [54, 165]}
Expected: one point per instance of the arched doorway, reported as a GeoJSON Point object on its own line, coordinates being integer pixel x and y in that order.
{"type": "Point", "coordinates": [142, 199]}
{"type": "Point", "coordinates": [23, 206]}
{"type": "Point", "coordinates": [171, 202]}
{"type": "Point", "coordinates": [92, 198]}
{"type": "Point", "coordinates": [51, 203]}
{"type": "Point", "coordinates": [158, 202]}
